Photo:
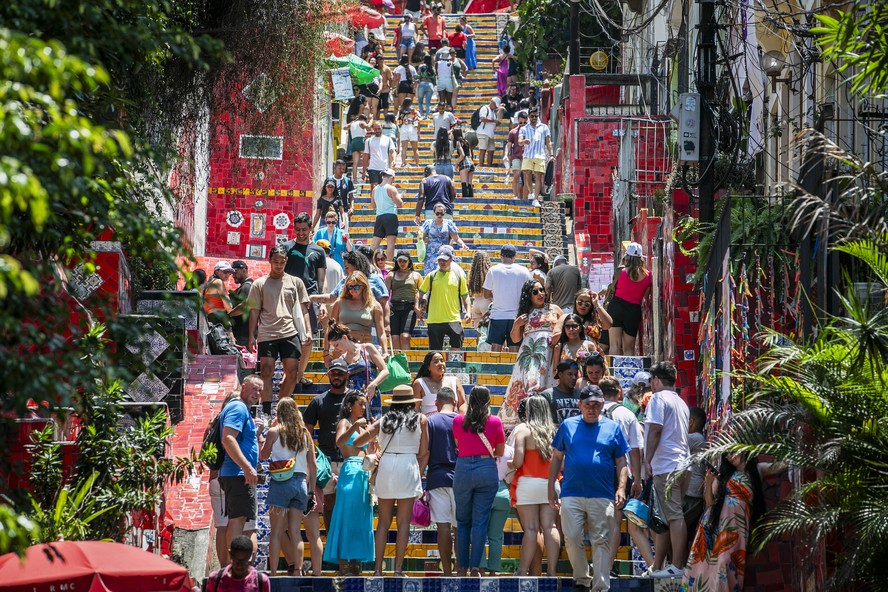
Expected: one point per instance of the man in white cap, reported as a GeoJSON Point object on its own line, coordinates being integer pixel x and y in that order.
{"type": "Point", "coordinates": [488, 114]}
{"type": "Point", "coordinates": [446, 295]}
{"type": "Point", "coordinates": [387, 199]}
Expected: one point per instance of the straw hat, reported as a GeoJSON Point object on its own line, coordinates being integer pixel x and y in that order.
{"type": "Point", "coordinates": [403, 394]}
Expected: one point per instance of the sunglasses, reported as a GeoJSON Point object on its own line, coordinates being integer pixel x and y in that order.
{"type": "Point", "coordinates": [355, 287]}
{"type": "Point", "coordinates": [537, 291]}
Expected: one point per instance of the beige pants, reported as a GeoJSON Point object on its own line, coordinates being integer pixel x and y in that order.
{"type": "Point", "coordinates": [579, 514]}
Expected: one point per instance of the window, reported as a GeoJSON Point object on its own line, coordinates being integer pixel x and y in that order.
{"type": "Point", "coordinates": [268, 147]}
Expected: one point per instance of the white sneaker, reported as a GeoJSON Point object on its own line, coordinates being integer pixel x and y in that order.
{"type": "Point", "coordinates": [670, 571]}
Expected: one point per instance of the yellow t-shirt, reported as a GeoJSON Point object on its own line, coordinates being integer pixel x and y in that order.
{"type": "Point", "coordinates": [275, 300]}
{"type": "Point", "coordinates": [449, 290]}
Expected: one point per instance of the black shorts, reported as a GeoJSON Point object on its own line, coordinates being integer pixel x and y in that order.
{"type": "Point", "coordinates": [374, 176]}
{"type": "Point", "coordinates": [240, 498]}
{"type": "Point", "coordinates": [437, 331]}
{"type": "Point", "coordinates": [385, 225]}
{"type": "Point", "coordinates": [286, 347]}
{"type": "Point", "coordinates": [403, 317]}
{"type": "Point", "coordinates": [385, 99]}
{"type": "Point", "coordinates": [626, 316]}
{"type": "Point", "coordinates": [405, 88]}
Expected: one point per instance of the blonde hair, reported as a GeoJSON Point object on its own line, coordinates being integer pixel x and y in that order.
{"type": "Point", "coordinates": [539, 422]}
{"type": "Point", "coordinates": [291, 427]}
{"type": "Point", "coordinates": [356, 277]}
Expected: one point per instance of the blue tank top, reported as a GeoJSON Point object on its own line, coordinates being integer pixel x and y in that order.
{"type": "Point", "coordinates": [384, 203]}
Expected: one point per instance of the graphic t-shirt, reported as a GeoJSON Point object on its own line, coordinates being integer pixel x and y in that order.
{"type": "Point", "coordinates": [590, 453]}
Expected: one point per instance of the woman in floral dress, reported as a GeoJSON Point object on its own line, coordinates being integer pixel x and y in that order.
{"type": "Point", "coordinates": [533, 327]}
{"type": "Point", "coordinates": [718, 555]}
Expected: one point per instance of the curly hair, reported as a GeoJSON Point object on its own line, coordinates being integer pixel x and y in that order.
{"type": "Point", "coordinates": [400, 414]}
{"type": "Point", "coordinates": [351, 397]}
{"type": "Point", "coordinates": [525, 303]}
{"type": "Point", "coordinates": [480, 267]}
{"type": "Point", "coordinates": [424, 371]}
{"type": "Point", "coordinates": [539, 422]}
{"type": "Point", "coordinates": [291, 427]}
{"type": "Point", "coordinates": [478, 410]}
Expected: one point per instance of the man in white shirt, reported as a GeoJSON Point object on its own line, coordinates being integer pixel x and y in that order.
{"type": "Point", "coordinates": [379, 153]}
{"type": "Point", "coordinates": [537, 142]}
{"type": "Point", "coordinates": [489, 114]}
{"type": "Point", "coordinates": [503, 286]}
{"type": "Point", "coordinates": [666, 453]}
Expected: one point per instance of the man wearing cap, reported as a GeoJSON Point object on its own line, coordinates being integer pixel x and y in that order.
{"type": "Point", "coordinates": [273, 330]}
{"type": "Point", "coordinates": [240, 316]}
{"type": "Point", "coordinates": [537, 142]}
{"type": "Point", "coordinates": [564, 397]}
{"type": "Point", "coordinates": [502, 286]}
{"type": "Point", "coordinates": [379, 154]}
{"type": "Point", "coordinates": [447, 303]}
{"type": "Point", "coordinates": [387, 199]}
{"type": "Point", "coordinates": [563, 282]}
{"type": "Point", "coordinates": [592, 450]}
{"type": "Point", "coordinates": [323, 412]}
{"type": "Point", "coordinates": [489, 115]}
{"type": "Point", "coordinates": [514, 152]}
{"type": "Point", "coordinates": [434, 189]}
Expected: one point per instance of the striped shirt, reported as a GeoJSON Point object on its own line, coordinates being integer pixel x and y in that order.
{"type": "Point", "coordinates": [537, 136]}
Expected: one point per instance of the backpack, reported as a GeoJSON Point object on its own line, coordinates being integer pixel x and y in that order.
{"type": "Point", "coordinates": [475, 123]}
{"type": "Point", "coordinates": [213, 435]}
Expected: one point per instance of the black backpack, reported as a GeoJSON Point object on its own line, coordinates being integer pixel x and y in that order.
{"type": "Point", "coordinates": [475, 123]}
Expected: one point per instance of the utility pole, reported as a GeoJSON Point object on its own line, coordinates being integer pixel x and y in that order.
{"type": "Point", "coordinates": [706, 55]}
{"type": "Point", "coordinates": [573, 54]}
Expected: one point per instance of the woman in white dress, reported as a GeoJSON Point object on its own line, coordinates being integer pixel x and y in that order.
{"type": "Point", "coordinates": [403, 455]}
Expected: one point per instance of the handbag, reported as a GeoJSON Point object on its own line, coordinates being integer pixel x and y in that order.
{"type": "Point", "coordinates": [324, 468]}
{"type": "Point", "coordinates": [657, 520]}
{"type": "Point", "coordinates": [282, 470]}
{"type": "Point", "coordinates": [399, 372]}
{"type": "Point", "coordinates": [422, 511]}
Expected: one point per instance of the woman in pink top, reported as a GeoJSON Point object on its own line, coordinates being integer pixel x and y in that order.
{"type": "Point", "coordinates": [633, 286]}
{"type": "Point", "coordinates": [480, 439]}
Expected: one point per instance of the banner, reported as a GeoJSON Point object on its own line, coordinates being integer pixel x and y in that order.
{"type": "Point", "coordinates": [342, 84]}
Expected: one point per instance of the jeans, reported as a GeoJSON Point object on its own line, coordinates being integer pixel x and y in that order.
{"type": "Point", "coordinates": [475, 484]}
{"type": "Point", "coordinates": [598, 515]}
{"type": "Point", "coordinates": [424, 93]}
{"type": "Point", "coordinates": [499, 513]}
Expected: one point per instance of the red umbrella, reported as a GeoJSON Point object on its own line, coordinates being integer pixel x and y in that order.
{"type": "Point", "coordinates": [91, 566]}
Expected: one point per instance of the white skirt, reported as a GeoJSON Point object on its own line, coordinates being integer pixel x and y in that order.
{"type": "Point", "coordinates": [531, 491]}
{"type": "Point", "coordinates": [398, 477]}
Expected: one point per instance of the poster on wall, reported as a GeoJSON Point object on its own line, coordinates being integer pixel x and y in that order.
{"type": "Point", "coordinates": [257, 225]}
{"type": "Point", "coordinates": [342, 84]}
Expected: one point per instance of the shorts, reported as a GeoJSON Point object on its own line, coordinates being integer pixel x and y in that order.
{"type": "Point", "coordinates": [437, 332]}
{"type": "Point", "coordinates": [499, 332]}
{"type": "Point", "coordinates": [374, 176]}
{"type": "Point", "coordinates": [405, 88]}
{"type": "Point", "coordinates": [357, 144]}
{"type": "Point", "coordinates": [625, 315]}
{"type": "Point", "coordinates": [385, 225]}
{"type": "Point", "coordinates": [442, 505]}
{"type": "Point", "coordinates": [330, 487]}
{"type": "Point", "coordinates": [532, 491]}
{"type": "Point", "coordinates": [402, 318]}
{"type": "Point", "coordinates": [385, 99]}
{"type": "Point", "coordinates": [285, 348]}
{"type": "Point", "coordinates": [537, 165]}
{"type": "Point", "coordinates": [217, 503]}
{"type": "Point", "coordinates": [433, 44]}
{"type": "Point", "coordinates": [485, 143]}
{"type": "Point", "coordinates": [466, 164]}
{"type": "Point", "coordinates": [292, 493]}
{"type": "Point", "coordinates": [409, 133]}
{"type": "Point", "coordinates": [407, 42]}
{"type": "Point", "coordinates": [516, 165]}
{"type": "Point", "coordinates": [239, 498]}
{"type": "Point", "coordinates": [673, 503]}
{"type": "Point", "coordinates": [445, 85]}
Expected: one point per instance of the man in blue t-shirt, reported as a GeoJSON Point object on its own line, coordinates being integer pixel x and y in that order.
{"type": "Point", "coordinates": [593, 449]}
{"type": "Point", "coordinates": [238, 475]}
{"type": "Point", "coordinates": [439, 481]}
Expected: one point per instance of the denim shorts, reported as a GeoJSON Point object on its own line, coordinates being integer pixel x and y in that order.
{"type": "Point", "coordinates": [292, 493]}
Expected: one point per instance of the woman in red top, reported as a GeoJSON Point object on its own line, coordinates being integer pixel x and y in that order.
{"type": "Point", "coordinates": [633, 286]}
{"type": "Point", "coordinates": [530, 493]}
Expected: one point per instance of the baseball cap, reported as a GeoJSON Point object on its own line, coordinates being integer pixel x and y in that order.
{"type": "Point", "coordinates": [223, 266]}
{"type": "Point", "coordinates": [642, 378]}
{"type": "Point", "coordinates": [634, 250]}
{"type": "Point", "coordinates": [388, 173]}
{"type": "Point", "coordinates": [591, 393]}
{"type": "Point", "coordinates": [567, 365]}
{"type": "Point", "coordinates": [238, 264]}
{"type": "Point", "coordinates": [508, 250]}
{"type": "Point", "coordinates": [338, 364]}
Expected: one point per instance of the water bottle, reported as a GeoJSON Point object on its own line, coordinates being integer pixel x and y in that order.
{"type": "Point", "coordinates": [446, 345]}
